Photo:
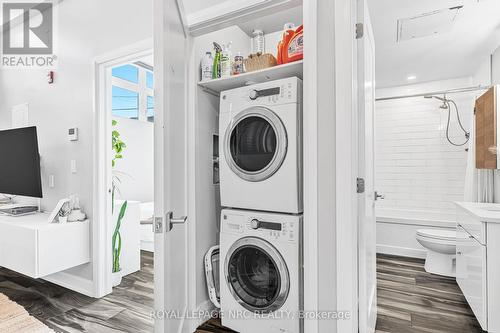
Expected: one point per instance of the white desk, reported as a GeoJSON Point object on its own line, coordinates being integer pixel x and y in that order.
{"type": "Point", "coordinates": [32, 246]}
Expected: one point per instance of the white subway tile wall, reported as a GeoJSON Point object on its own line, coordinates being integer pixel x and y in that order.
{"type": "Point", "coordinates": [415, 166]}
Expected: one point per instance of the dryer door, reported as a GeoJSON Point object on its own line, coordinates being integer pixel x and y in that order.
{"type": "Point", "coordinates": [255, 144]}
{"type": "Point", "coordinates": [257, 275]}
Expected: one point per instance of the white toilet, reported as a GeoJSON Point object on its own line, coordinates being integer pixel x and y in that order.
{"type": "Point", "coordinates": [441, 245]}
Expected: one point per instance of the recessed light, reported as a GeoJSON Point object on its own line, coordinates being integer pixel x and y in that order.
{"type": "Point", "coordinates": [411, 77]}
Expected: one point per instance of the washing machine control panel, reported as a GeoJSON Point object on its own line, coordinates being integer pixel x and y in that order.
{"type": "Point", "coordinates": [273, 229]}
{"type": "Point", "coordinates": [265, 228]}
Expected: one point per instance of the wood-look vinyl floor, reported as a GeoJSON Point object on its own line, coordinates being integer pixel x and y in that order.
{"type": "Point", "coordinates": [412, 300]}
{"type": "Point", "coordinates": [127, 309]}
{"type": "Point", "coordinates": [409, 300]}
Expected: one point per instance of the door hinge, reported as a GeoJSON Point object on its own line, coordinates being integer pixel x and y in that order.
{"type": "Point", "coordinates": [359, 30]}
{"type": "Point", "coordinates": [360, 185]}
{"type": "Point", "coordinates": [158, 225]}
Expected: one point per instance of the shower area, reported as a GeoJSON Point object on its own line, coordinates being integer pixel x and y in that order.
{"type": "Point", "coordinates": [424, 160]}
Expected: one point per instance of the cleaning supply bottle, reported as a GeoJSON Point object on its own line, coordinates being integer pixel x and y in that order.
{"type": "Point", "coordinates": [207, 63]}
{"type": "Point", "coordinates": [294, 49]}
{"type": "Point", "coordinates": [238, 65]}
{"type": "Point", "coordinates": [226, 61]}
{"type": "Point", "coordinates": [216, 65]}
{"type": "Point", "coordinates": [288, 31]}
{"type": "Point", "coordinates": [291, 47]}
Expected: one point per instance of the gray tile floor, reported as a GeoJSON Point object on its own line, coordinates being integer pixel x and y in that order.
{"type": "Point", "coordinates": [412, 300]}
{"type": "Point", "coordinates": [127, 309]}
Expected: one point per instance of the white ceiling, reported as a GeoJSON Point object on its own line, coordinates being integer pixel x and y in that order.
{"type": "Point", "coordinates": [192, 6]}
{"type": "Point", "coordinates": [452, 53]}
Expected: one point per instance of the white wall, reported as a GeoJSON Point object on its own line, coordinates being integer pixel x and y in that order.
{"type": "Point", "coordinates": [136, 169]}
{"type": "Point", "coordinates": [87, 29]}
{"type": "Point", "coordinates": [416, 167]}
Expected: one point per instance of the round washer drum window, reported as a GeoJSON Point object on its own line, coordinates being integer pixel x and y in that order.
{"type": "Point", "coordinates": [254, 276]}
{"type": "Point", "coordinates": [255, 145]}
{"type": "Point", "coordinates": [257, 275]}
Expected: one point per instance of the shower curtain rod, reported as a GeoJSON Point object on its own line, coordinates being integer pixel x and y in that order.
{"type": "Point", "coordinates": [450, 91]}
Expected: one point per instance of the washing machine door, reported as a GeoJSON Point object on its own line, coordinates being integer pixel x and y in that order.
{"type": "Point", "coordinates": [255, 144]}
{"type": "Point", "coordinates": [257, 275]}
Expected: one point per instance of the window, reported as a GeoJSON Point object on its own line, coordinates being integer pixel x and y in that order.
{"type": "Point", "coordinates": [149, 80]}
{"type": "Point", "coordinates": [151, 109]}
{"type": "Point", "coordinates": [132, 92]}
{"type": "Point", "coordinates": [127, 72]}
{"type": "Point", "coordinates": [125, 103]}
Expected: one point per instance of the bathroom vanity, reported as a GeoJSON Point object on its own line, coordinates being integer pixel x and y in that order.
{"type": "Point", "coordinates": [478, 260]}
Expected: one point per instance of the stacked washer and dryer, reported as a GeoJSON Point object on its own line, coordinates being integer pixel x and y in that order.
{"type": "Point", "coordinates": [261, 268]}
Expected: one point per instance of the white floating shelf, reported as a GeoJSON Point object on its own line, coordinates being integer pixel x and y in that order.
{"type": "Point", "coordinates": [263, 75]}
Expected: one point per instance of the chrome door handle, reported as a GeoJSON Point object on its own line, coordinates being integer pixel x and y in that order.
{"type": "Point", "coordinates": [379, 196]}
{"type": "Point", "coordinates": [147, 222]}
{"type": "Point", "coordinates": [171, 220]}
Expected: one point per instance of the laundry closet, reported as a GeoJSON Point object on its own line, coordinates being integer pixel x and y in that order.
{"type": "Point", "coordinates": [241, 184]}
{"type": "Point", "coordinates": [249, 154]}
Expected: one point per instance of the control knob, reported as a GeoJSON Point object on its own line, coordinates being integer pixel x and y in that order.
{"type": "Point", "coordinates": [254, 224]}
{"type": "Point", "coordinates": [253, 94]}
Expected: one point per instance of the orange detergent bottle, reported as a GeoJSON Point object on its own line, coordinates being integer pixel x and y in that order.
{"type": "Point", "coordinates": [291, 47]}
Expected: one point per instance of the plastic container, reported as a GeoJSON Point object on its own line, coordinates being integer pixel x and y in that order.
{"type": "Point", "coordinates": [207, 63]}
{"type": "Point", "coordinates": [226, 61]}
{"type": "Point", "coordinates": [258, 42]}
{"type": "Point", "coordinates": [216, 63]}
{"type": "Point", "coordinates": [291, 47]}
{"type": "Point", "coordinates": [238, 65]}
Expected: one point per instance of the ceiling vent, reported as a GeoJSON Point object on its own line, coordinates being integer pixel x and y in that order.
{"type": "Point", "coordinates": [427, 24]}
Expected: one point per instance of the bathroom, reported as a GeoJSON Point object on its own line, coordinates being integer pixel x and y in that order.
{"type": "Point", "coordinates": [426, 160]}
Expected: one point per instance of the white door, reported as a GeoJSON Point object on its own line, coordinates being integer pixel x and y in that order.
{"type": "Point", "coordinates": [170, 51]}
{"type": "Point", "coordinates": [366, 208]}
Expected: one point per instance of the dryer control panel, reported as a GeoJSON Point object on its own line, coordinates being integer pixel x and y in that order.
{"type": "Point", "coordinates": [270, 93]}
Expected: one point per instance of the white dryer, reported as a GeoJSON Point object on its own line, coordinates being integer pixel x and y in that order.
{"type": "Point", "coordinates": [261, 147]}
{"type": "Point", "coordinates": [261, 287]}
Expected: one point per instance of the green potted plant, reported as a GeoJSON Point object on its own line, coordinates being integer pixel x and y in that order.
{"type": "Point", "coordinates": [118, 146]}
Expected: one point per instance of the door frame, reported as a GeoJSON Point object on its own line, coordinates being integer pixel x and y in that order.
{"type": "Point", "coordinates": [330, 164]}
{"type": "Point", "coordinates": [102, 171]}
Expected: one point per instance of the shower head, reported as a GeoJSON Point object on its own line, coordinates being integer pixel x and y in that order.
{"type": "Point", "coordinates": [443, 99]}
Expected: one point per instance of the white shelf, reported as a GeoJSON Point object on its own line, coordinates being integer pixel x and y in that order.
{"type": "Point", "coordinates": [263, 75]}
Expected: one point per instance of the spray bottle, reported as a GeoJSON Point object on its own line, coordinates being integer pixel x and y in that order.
{"type": "Point", "coordinates": [226, 61]}
{"type": "Point", "coordinates": [217, 58]}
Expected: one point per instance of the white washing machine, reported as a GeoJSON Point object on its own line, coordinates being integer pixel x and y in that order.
{"type": "Point", "coordinates": [261, 146]}
{"type": "Point", "coordinates": [261, 287]}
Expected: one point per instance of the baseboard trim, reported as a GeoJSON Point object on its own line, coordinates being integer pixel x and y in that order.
{"type": "Point", "coordinates": [147, 245]}
{"type": "Point", "coordinates": [78, 284]}
{"type": "Point", "coordinates": [401, 251]}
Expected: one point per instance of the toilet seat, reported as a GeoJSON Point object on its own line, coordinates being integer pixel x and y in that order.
{"type": "Point", "coordinates": [441, 234]}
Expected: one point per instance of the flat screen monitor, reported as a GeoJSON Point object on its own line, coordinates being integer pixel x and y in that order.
{"type": "Point", "coordinates": [20, 162]}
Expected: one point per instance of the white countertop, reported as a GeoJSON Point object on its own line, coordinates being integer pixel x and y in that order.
{"type": "Point", "coordinates": [33, 221]}
{"type": "Point", "coordinates": [486, 212]}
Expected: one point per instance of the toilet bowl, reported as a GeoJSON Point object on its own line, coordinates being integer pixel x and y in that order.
{"type": "Point", "coordinates": [441, 245]}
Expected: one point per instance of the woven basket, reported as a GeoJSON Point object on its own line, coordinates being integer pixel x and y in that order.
{"type": "Point", "coordinates": [255, 62]}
